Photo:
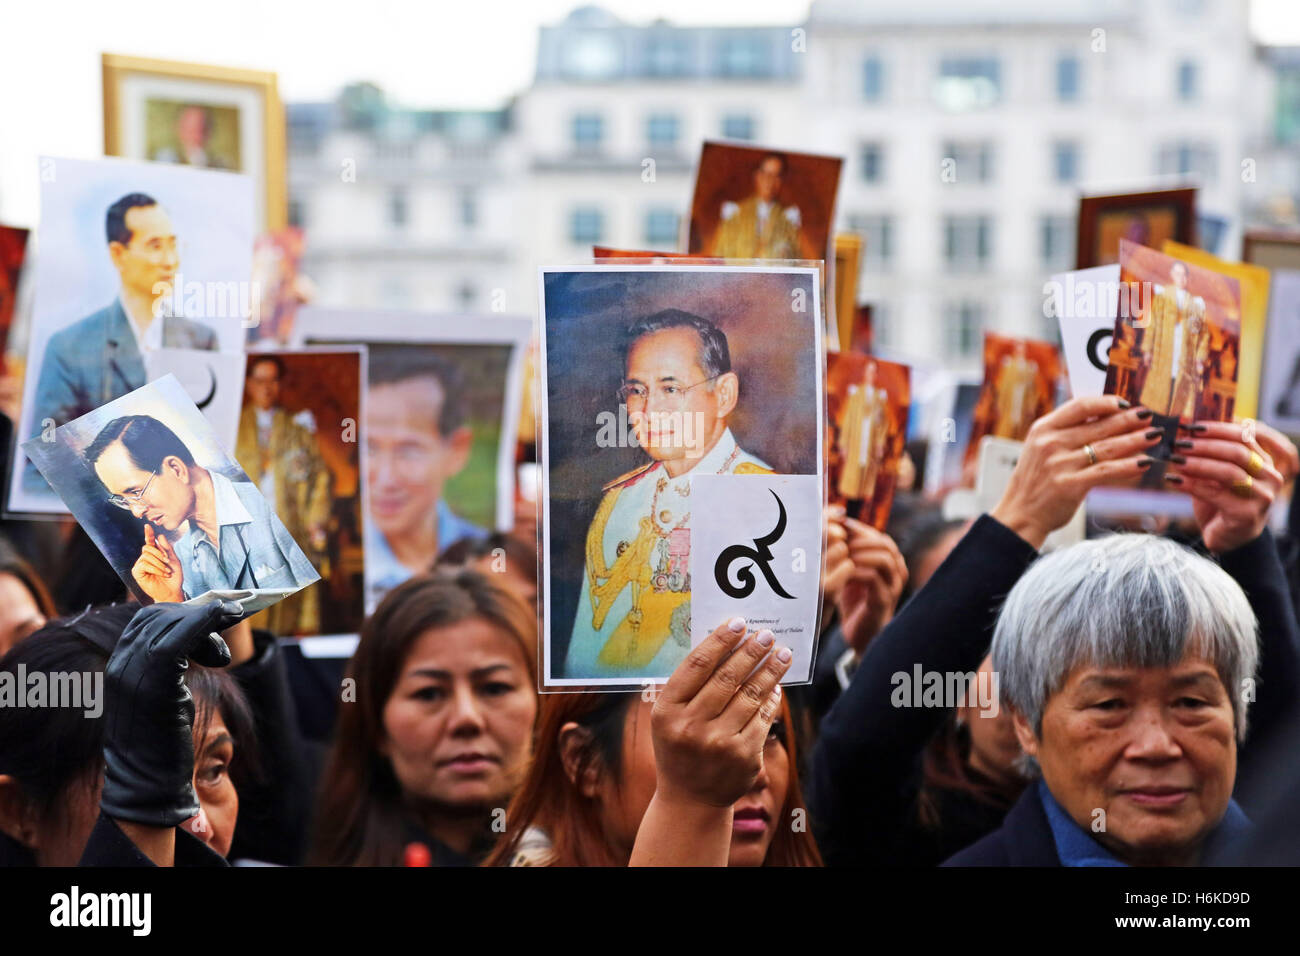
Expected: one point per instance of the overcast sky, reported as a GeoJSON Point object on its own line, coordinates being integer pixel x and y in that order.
{"type": "Point", "coordinates": [444, 53]}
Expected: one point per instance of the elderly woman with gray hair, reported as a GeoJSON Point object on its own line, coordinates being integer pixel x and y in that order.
{"type": "Point", "coordinates": [1167, 634]}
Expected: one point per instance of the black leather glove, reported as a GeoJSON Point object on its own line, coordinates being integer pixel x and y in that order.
{"type": "Point", "coordinates": [148, 742]}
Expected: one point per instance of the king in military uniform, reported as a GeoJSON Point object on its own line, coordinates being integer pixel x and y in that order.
{"type": "Point", "coordinates": [634, 613]}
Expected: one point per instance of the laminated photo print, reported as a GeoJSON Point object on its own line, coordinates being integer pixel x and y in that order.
{"type": "Point", "coordinates": [868, 400]}
{"type": "Point", "coordinates": [145, 269]}
{"type": "Point", "coordinates": [1021, 378]}
{"type": "Point", "coordinates": [442, 403]}
{"type": "Point", "coordinates": [1177, 344]}
{"type": "Point", "coordinates": [168, 505]}
{"type": "Point", "coordinates": [681, 457]}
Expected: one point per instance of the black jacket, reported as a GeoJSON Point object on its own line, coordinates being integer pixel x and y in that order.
{"type": "Point", "coordinates": [1024, 839]}
{"type": "Point", "coordinates": [109, 846]}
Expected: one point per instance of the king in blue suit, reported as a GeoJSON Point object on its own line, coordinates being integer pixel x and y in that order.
{"type": "Point", "coordinates": [100, 358]}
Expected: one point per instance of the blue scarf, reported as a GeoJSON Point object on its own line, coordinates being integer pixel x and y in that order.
{"type": "Point", "coordinates": [1076, 847]}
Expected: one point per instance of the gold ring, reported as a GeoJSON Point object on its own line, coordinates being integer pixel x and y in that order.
{"type": "Point", "coordinates": [1243, 487]}
{"type": "Point", "coordinates": [1255, 465]}
{"type": "Point", "coordinates": [1092, 455]}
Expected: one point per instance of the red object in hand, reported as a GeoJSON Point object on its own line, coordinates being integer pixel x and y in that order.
{"type": "Point", "coordinates": [417, 854]}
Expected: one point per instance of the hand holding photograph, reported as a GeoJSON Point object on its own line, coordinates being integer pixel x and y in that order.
{"type": "Point", "coordinates": [165, 503]}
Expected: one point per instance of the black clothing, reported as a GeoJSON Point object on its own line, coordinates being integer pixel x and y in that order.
{"type": "Point", "coordinates": [109, 846]}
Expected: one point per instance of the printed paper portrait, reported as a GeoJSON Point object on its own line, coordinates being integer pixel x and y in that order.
{"type": "Point", "coordinates": [169, 507]}
{"type": "Point", "coordinates": [652, 374]}
{"type": "Point", "coordinates": [138, 258]}
{"type": "Point", "coordinates": [868, 400]}
{"type": "Point", "coordinates": [753, 203]}
{"type": "Point", "coordinates": [300, 435]}
{"type": "Point", "coordinates": [442, 410]}
{"type": "Point", "coordinates": [1021, 377]}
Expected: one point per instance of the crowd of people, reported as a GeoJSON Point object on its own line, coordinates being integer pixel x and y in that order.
{"type": "Point", "coordinates": [1127, 700]}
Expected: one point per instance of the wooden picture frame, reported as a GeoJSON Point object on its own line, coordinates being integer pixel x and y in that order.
{"type": "Point", "coordinates": [1180, 202]}
{"type": "Point", "coordinates": [147, 100]}
{"type": "Point", "coordinates": [1271, 248]}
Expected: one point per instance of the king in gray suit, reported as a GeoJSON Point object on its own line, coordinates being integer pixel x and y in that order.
{"type": "Point", "coordinates": [100, 358]}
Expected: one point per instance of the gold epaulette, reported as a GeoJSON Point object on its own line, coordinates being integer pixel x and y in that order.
{"type": "Point", "coordinates": [630, 477]}
{"type": "Point", "coordinates": [749, 468]}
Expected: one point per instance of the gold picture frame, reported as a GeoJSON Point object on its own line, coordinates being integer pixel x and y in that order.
{"type": "Point", "coordinates": [848, 262]}
{"type": "Point", "coordinates": [139, 91]}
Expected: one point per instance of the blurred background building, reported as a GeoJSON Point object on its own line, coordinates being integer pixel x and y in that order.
{"type": "Point", "coordinates": [968, 128]}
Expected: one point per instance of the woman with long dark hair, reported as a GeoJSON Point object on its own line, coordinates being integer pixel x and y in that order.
{"type": "Point", "coordinates": [434, 731]}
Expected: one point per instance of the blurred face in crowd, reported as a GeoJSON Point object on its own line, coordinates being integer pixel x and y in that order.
{"type": "Point", "coordinates": [150, 259]}
{"type": "Point", "coordinates": [458, 724]}
{"type": "Point", "coordinates": [680, 413]}
{"type": "Point", "coordinates": [19, 613]}
{"type": "Point", "coordinates": [408, 459]}
{"type": "Point", "coordinates": [623, 802]}
{"type": "Point", "coordinates": [767, 179]}
{"type": "Point", "coordinates": [263, 385]}
{"type": "Point", "coordinates": [167, 499]}
{"type": "Point", "coordinates": [214, 824]}
{"type": "Point", "coordinates": [994, 748]}
{"type": "Point", "coordinates": [1152, 747]}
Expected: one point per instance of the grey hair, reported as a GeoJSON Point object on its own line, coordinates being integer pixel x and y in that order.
{"type": "Point", "coordinates": [1125, 600]}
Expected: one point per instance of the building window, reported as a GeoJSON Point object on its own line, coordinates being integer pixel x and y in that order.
{"type": "Point", "coordinates": [738, 126]}
{"type": "Point", "coordinates": [661, 227]}
{"type": "Point", "coordinates": [968, 83]}
{"type": "Point", "coordinates": [972, 162]}
{"type": "Point", "coordinates": [661, 130]}
{"type": "Point", "coordinates": [397, 208]}
{"type": "Point", "coordinates": [665, 56]}
{"type": "Point", "coordinates": [744, 55]}
{"type": "Point", "coordinates": [1181, 158]}
{"type": "Point", "coordinates": [465, 296]}
{"type": "Point", "coordinates": [963, 329]}
{"type": "Point", "coordinates": [877, 232]}
{"type": "Point", "coordinates": [1056, 241]}
{"type": "Point", "coordinates": [468, 208]}
{"type": "Point", "coordinates": [588, 131]}
{"type": "Point", "coordinates": [1067, 79]}
{"type": "Point", "coordinates": [873, 163]}
{"type": "Point", "coordinates": [873, 79]}
{"type": "Point", "coordinates": [882, 326]}
{"type": "Point", "coordinates": [297, 213]}
{"type": "Point", "coordinates": [1189, 80]}
{"type": "Point", "coordinates": [968, 242]}
{"type": "Point", "coordinates": [1065, 161]}
{"type": "Point", "coordinates": [586, 225]}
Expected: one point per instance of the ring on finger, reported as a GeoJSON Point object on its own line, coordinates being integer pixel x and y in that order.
{"type": "Point", "coordinates": [1243, 486]}
{"type": "Point", "coordinates": [1091, 453]}
{"type": "Point", "coordinates": [1255, 465]}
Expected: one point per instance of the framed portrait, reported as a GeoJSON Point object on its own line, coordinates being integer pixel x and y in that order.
{"type": "Point", "coordinates": [1147, 218]}
{"type": "Point", "coordinates": [209, 117]}
{"type": "Point", "coordinates": [167, 504]}
{"type": "Point", "coordinates": [442, 404]}
{"type": "Point", "coordinates": [1271, 249]}
{"type": "Point", "coordinates": [657, 381]}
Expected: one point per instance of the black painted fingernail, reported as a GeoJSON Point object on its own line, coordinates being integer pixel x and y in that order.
{"type": "Point", "coordinates": [1144, 413]}
{"type": "Point", "coordinates": [1184, 443]}
{"type": "Point", "coordinates": [1125, 403]}
{"type": "Point", "coordinates": [1155, 433]}
{"type": "Point", "coordinates": [1178, 459]}
{"type": "Point", "coordinates": [1174, 479]}
{"type": "Point", "coordinates": [1146, 462]}
{"type": "Point", "coordinates": [1194, 427]}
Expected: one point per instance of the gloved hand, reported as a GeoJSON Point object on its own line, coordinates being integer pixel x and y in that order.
{"type": "Point", "coordinates": [148, 741]}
